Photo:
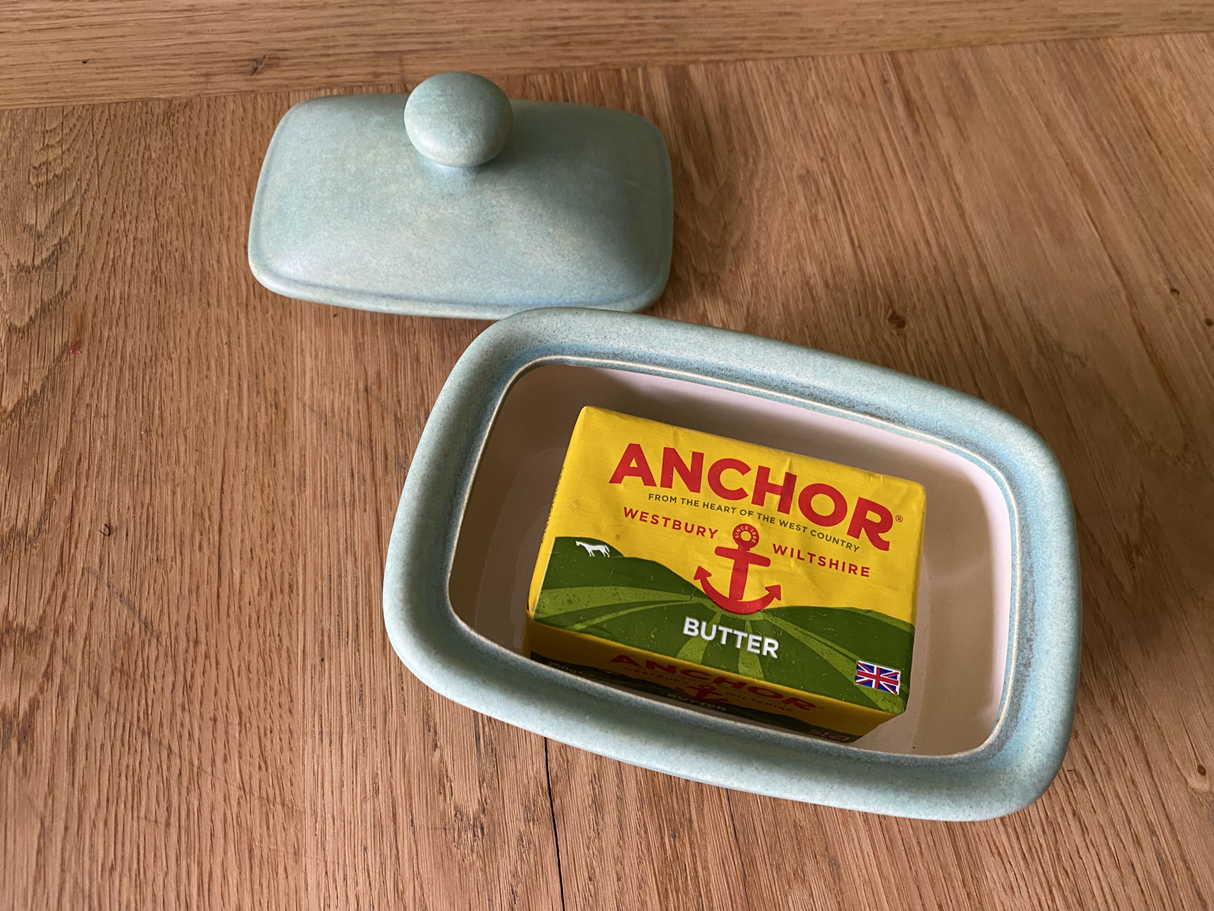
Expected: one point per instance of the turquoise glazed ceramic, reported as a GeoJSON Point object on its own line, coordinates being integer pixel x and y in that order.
{"type": "Point", "coordinates": [455, 201]}
{"type": "Point", "coordinates": [996, 659]}
{"type": "Point", "coordinates": [460, 120]}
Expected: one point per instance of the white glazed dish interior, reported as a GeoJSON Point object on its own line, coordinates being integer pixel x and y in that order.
{"type": "Point", "coordinates": [961, 644]}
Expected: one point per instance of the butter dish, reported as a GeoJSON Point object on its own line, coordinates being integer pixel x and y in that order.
{"type": "Point", "coordinates": [996, 650]}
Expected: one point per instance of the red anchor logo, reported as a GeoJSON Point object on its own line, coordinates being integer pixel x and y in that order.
{"type": "Point", "coordinates": [746, 537]}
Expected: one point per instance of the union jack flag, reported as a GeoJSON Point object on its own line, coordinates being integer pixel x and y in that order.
{"type": "Point", "coordinates": [876, 677]}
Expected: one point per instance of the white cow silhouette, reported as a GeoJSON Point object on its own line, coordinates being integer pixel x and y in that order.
{"type": "Point", "coordinates": [592, 549]}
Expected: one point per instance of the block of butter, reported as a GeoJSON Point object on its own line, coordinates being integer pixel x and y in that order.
{"type": "Point", "coordinates": [757, 582]}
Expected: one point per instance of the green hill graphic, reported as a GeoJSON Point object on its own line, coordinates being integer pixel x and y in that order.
{"type": "Point", "coordinates": [592, 588]}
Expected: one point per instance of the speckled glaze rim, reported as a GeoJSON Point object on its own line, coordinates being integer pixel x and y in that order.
{"type": "Point", "coordinates": [1009, 771]}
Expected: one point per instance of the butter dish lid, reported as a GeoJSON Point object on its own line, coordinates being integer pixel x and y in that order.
{"type": "Point", "coordinates": [456, 201]}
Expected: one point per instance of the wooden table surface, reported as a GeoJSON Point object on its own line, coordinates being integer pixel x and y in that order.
{"type": "Point", "coordinates": [199, 707]}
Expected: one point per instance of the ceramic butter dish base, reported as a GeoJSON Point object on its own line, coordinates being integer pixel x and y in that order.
{"type": "Point", "coordinates": [995, 659]}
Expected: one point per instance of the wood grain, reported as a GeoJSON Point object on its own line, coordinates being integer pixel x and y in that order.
{"type": "Point", "coordinates": [198, 704]}
{"type": "Point", "coordinates": [57, 52]}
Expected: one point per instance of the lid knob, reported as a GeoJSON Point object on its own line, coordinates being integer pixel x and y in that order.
{"type": "Point", "coordinates": [458, 119]}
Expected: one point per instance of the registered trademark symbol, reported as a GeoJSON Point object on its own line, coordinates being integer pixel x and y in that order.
{"type": "Point", "coordinates": [897, 518]}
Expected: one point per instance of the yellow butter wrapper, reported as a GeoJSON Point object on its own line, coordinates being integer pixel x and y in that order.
{"type": "Point", "coordinates": [757, 582]}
